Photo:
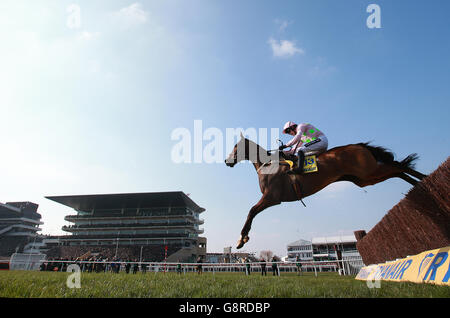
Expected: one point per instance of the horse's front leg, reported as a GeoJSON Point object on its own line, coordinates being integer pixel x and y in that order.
{"type": "Point", "coordinates": [263, 204]}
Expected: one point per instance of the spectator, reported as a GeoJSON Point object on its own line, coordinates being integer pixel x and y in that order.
{"type": "Point", "coordinates": [247, 266]}
{"type": "Point", "coordinates": [97, 265]}
{"type": "Point", "coordinates": [127, 267]}
{"type": "Point", "coordinates": [299, 266]}
{"type": "Point", "coordinates": [199, 265]}
{"type": "Point", "coordinates": [63, 266]}
{"type": "Point", "coordinates": [107, 265]}
{"type": "Point", "coordinates": [144, 268]}
{"type": "Point", "coordinates": [135, 267]}
{"type": "Point", "coordinates": [275, 270]}
{"type": "Point", "coordinates": [179, 267]}
{"type": "Point", "coordinates": [118, 265]}
{"type": "Point", "coordinates": [263, 267]}
{"type": "Point", "coordinates": [90, 265]}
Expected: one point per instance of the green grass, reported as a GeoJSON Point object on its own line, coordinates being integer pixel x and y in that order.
{"type": "Point", "coordinates": [220, 285]}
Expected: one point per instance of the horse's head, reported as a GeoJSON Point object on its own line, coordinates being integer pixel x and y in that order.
{"type": "Point", "coordinates": [246, 150]}
{"type": "Point", "coordinates": [239, 153]}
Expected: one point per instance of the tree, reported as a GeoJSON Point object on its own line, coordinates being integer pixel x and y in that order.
{"type": "Point", "coordinates": [266, 255]}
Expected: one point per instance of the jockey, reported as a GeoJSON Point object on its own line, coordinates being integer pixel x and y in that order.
{"type": "Point", "coordinates": [307, 140]}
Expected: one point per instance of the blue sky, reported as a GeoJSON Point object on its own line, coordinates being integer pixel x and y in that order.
{"type": "Point", "coordinates": [90, 108]}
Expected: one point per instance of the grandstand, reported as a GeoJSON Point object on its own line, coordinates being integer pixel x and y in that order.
{"type": "Point", "coordinates": [19, 224]}
{"type": "Point", "coordinates": [140, 226]}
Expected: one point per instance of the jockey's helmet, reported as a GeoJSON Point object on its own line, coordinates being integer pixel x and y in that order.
{"type": "Point", "coordinates": [288, 125]}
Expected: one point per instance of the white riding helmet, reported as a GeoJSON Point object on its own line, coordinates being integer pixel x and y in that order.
{"type": "Point", "coordinates": [289, 124]}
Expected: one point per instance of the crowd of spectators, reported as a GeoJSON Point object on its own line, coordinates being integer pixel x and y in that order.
{"type": "Point", "coordinates": [96, 264]}
{"type": "Point", "coordinates": [100, 263]}
{"type": "Point", "coordinates": [152, 253]}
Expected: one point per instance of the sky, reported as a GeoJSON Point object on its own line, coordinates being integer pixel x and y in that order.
{"type": "Point", "coordinates": [92, 91]}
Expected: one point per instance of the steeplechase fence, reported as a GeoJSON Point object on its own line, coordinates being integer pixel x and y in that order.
{"type": "Point", "coordinates": [343, 267]}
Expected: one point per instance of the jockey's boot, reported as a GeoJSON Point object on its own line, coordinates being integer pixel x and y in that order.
{"type": "Point", "coordinates": [299, 168]}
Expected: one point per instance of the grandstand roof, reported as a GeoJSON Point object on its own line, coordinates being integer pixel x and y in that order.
{"type": "Point", "coordinates": [334, 239]}
{"type": "Point", "coordinates": [27, 209]}
{"type": "Point", "coordinates": [324, 240]}
{"type": "Point", "coordinates": [127, 200]}
{"type": "Point", "coordinates": [299, 243]}
{"type": "Point", "coordinates": [7, 207]}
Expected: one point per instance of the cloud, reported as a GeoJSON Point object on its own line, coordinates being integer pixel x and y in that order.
{"type": "Point", "coordinates": [321, 71]}
{"type": "Point", "coordinates": [284, 48]}
{"type": "Point", "coordinates": [282, 24]}
{"type": "Point", "coordinates": [86, 35]}
{"type": "Point", "coordinates": [132, 15]}
{"type": "Point", "coordinates": [322, 68]}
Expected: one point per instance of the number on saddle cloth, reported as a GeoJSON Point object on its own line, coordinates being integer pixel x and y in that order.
{"type": "Point", "coordinates": [309, 164]}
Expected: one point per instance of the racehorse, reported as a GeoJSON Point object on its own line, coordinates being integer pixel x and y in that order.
{"type": "Point", "coordinates": [361, 164]}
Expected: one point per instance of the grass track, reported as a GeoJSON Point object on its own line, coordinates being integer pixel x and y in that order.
{"type": "Point", "coordinates": [220, 285]}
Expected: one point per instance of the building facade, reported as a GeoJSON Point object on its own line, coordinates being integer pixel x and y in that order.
{"type": "Point", "coordinates": [19, 224]}
{"type": "Point", "coordinates": [300, 250]}
{"type": "Point", "coordinates": [157, 226]}
{"type": "Point", "coordinates": [327, 248]}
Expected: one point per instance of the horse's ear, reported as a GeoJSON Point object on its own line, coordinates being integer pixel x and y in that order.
{"type": "Point", "coordinates": [242, 136]}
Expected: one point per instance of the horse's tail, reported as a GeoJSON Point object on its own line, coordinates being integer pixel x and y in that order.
{"type": "Point", "coordinates": [383, 155]}
{"type": "Point", "coordinates": [409, 162]}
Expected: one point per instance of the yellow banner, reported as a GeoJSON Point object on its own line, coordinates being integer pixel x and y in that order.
{"type": "Point", "coordinates": [427, 267]}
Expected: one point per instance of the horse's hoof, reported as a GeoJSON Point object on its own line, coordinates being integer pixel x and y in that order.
{"type": "Point", "coordinates": [242, 241]}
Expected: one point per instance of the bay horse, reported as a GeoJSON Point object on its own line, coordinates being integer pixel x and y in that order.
{"type": "Point", "coordinates": [360, 163]}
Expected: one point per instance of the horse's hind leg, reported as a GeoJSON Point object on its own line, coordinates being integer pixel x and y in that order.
{"type": "Point", "coordinates": [262, 204]}
{"type": "Point", "coordinates": [414, 173]}
{"type": "Point", "coordinates": [407, 178]}
{"type": "Point", "coordinates": [382, 173]}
